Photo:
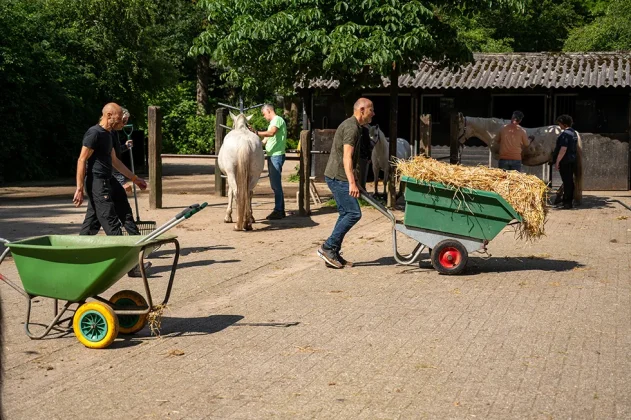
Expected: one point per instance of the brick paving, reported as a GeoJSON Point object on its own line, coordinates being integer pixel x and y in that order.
{"type": "Point", "coordinates": [538, 330]}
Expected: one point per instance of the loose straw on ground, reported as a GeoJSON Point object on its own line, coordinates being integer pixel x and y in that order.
{"type": "Point", "coordinates": [155, 319]}
{"type": "Point", "coordinates": [527, 194]}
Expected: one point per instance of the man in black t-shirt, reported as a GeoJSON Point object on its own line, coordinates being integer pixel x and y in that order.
{"type": "Point", "coordinates": [564, 157]}
{"type": "Point", "coordinates": [98, 153]}
{"type": "Point", "coordinates": [117, 182]}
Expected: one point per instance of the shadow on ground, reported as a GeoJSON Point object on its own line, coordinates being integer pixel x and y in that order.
{"type": "Point", "coordinates": [490, 265]}
{"type": "Point", "coordinates": [189, 264]}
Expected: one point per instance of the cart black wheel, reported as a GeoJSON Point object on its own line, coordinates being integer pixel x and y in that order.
{"type": "Point", "coordinates": [128, 299]}
{"type": "Point", "coordinates": [449, 257]}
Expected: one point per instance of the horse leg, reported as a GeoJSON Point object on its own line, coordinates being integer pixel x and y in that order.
{"type": "Point", "coordinates": [375, 171]}
{"type": "Point", "coordinates": [228, 218]}
{"type": "Point", "coordinates": [251, 212]}
{"type": "Point", "coordinates": [247, 224]}
{"type": "Point", "coordinates": [386, 172]}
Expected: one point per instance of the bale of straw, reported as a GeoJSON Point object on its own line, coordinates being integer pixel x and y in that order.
{"type": "Point", "coordinates": [527, 194]}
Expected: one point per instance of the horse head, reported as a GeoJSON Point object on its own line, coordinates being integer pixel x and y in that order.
{"type": "Point", "coordinates": [240, 122]}
{"type": "Point", "coordinates": [375, 134]}
{"type": "Point", "coordinates": [465, 131]}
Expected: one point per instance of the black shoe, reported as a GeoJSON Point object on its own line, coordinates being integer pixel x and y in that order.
{"type": "Point", "coordinates": [344, 262]}
{"type": "Point", "coordinates": [330, 257]}
{"type": "Point", "coordinates": [567, 206]}
{"type": "Point", "coordinates": [135, 272]}
{"type": "Point", "coordinates": [276, 215]}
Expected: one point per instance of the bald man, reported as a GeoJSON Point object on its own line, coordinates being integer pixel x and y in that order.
{"type": "Point", "coordinates": [341, 175]}
{"type": "Point", "coordinates": [99, 154]}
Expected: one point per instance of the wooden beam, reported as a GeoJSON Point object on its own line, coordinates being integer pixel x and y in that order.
{"type": "Point", "coordinates": [154, 116]}
{"type": "Point", "coordinates": [304, 192]}
{"type": "Point", "coordinates": [394, 120]}
{"type": "Point", "coordinates": [426, 135]}
{"type": "Point", "coordinates": [220, 133]}
{"type": "Point", "coordinates": [453, 137]}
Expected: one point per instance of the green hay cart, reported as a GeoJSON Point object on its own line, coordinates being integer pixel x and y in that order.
{"type": "Point", "coordinates": [449, 223]}
{"type": "Point", "coordinates": [77, 268]}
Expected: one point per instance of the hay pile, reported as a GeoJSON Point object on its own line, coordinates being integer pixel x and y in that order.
{"type": "Point", "coordinates": [526, 193]}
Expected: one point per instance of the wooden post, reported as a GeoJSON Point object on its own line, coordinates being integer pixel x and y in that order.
{"type": "Point", "coordinates": [394, 117]}
{"type": "Point", "coordinates": [453, 137]}
{"type": "Point", "coordinates": [154, 116]}
{"type": "Point", "coordinates": [426, 135]}
{"type": "Point", "coordinates": [220, 182]}
{"type": "Point", "coordinates": [304, 192]}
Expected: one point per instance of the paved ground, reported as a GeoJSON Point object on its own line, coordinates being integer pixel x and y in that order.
{"type": "Point", "coordinates": [258, 327]}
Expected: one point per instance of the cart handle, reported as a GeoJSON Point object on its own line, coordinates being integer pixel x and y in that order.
{"type": "Point", "coordinates": [186, 210]}
{"type": "Point", "coordinates": [195, 209]}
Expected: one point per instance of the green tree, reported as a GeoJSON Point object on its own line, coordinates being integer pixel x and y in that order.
{"type": "Point", "coordinates": [61, 61]}
{"type": "Point", "coordinates": [543, 25]}
{"type": "Point", "coordinates": [281, 42]}
{"type": "Point", "coordinates": [608, 32]}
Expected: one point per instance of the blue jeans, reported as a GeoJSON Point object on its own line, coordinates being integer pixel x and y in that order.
{"type": "Point", "coordinates": [349, 210]}
{"type": "Point", "coordinates": [508, 165]}
{"type": "Point", "coordinates": [275, 169]}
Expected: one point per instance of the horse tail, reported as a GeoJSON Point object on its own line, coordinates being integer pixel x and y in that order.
{"type": "Point", "coordinates": [578, 171]}
{"type": "Point", "coordinates": [243, 186]}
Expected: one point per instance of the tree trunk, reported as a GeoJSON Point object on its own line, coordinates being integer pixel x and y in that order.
{"type": "Point", "coordinates": [202, 84]}
{"type": "Point", "coordinates": [394, 113]}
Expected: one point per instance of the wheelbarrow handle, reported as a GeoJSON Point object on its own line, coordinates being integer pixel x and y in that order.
{"type": "Point", "coordinates": [181, 216]}
{"type": "Point", "coordinates": [186, 210]}
{"type": "Point", "coordinates": [197, 209]}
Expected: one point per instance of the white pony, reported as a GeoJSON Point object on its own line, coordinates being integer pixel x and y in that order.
{"type": "Point", "coordinates": [539, 152]}
{"type": "Point", "coordinates": [380, 153]}
{"type": "Point", "coordinates": [241, 159]}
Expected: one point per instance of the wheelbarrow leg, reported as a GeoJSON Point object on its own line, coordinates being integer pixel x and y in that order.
{"type": "Point", "coordinates": [141, 260]}
{"type": "Point", "coordinates": [406, 259]}
{"type": "Point", "coordinates": [56, 321]}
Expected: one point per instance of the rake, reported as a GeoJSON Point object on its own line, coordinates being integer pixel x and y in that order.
{"type": "Point", "coordinates": [145, 227]}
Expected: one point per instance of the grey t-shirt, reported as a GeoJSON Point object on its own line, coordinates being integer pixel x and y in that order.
{"type": "Point", "coordinates": [349, 132]}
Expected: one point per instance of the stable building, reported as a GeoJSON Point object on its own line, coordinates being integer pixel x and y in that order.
{"type": "Point", "coordinates": [594, 88]}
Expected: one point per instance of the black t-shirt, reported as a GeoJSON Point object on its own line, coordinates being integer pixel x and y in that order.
{"type": "Point", "coordinates": [100, 140]}
{"type": "Point", "coordinates": [116, 144]}
{"type": "Point", "coordinates": [568, 138]}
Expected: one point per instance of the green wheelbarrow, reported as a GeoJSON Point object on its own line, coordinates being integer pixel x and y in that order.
{"type": "Point", "coordinates": [77, 268]}
{"type": "Point", "coordinates": [449, 223]}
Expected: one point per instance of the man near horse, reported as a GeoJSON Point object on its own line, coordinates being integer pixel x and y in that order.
{"type": "Point", "coordinates": [565, 157]}
{"type": "Point", "coordinates": [342, 176]}
{"type": "Point", "coordinates": [99, 154]}
{"type": "Point", "coordinates": [275, 142]}
{"type": "Point", "coordinates": [512, 139]}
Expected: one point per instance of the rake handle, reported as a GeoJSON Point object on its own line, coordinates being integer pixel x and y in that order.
{"type": "Point", "coordinates": [133, 171]}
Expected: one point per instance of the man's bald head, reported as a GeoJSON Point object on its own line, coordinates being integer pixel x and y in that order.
{"type": "Point", "coordinates": [363, 110]}
{"type": "Point", "coordinates": [112, 115]}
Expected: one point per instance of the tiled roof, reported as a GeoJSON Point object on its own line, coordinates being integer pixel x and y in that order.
{"type": "Point", "coordinates": [519, 70]}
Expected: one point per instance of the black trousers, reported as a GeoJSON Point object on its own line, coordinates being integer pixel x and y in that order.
{"type": "Point", "coordinates": [566, 170]}
{"type": "Point", "coordinates": [108, 207]}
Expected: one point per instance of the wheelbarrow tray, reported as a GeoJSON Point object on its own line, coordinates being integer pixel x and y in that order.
{"type": "Point", "coordinates": [73, 268]}
{"type": "Point", "coordinates": [466, 213]}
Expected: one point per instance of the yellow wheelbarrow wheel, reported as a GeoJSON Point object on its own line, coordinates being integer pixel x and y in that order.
{"type": "Point", "coordinates": [128, 299]}
{"type": "Point", "coordinates": [95, 324]}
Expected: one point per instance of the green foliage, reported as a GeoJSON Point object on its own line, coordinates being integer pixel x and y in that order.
{"type": "Point", "coordinates": [609, 32]}
{"type": "Point", "coordinates": [542, 26]}
{"type": "Point", "coordinates": [295, 177]}
{"type": "Point", "coordinates": [61, 61]}
{"type": "Point", "coordinates": [279, 42]}
{"type": "Point", "coordinates": [183, 131]}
